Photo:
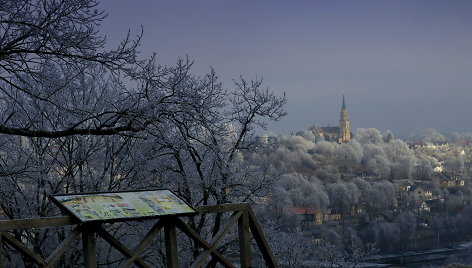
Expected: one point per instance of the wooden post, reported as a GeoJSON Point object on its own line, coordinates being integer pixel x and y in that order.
{"type": "Point", "coordinates": [171, 243]}
{"type": "Point", "coordinates": [89, 246]}
{"type": "Point", "coordinates": [244, 242]}
{"type": "Point", "coordinates": [1, 251]}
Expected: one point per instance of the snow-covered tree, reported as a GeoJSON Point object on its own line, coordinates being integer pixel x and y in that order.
{"type": "Point", "coordinates": [76, 117]}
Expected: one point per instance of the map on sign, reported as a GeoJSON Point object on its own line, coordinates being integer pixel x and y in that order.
{"type": "Point", "coordinates": [123, 205]}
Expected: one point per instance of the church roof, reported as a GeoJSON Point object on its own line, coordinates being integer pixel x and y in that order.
{"type": "Point", "coordinates": [325, 129]}
{"type": "Point", "coordinates": [330, 129]}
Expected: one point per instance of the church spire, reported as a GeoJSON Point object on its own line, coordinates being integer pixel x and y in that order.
{"type": "Point", "coordinates": [344, 124]}
{"type": "Point", "coordinates": [344, 113]}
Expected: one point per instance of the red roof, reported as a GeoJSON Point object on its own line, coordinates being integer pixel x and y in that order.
{"type": "Point", "coordinates": [301, 210]}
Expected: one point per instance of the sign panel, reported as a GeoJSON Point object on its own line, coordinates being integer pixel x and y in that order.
{"type": "Point", "coordinates": [123, 205]}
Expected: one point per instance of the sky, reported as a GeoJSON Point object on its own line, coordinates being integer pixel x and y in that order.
{"type": "Point", "coordinates": [403, 65]}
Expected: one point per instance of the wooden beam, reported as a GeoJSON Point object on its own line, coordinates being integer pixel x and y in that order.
{"type": "Point", "coordinates": [261, 241]}
{"type": "Point", "coordinates": [244, 241]}
{"type": "Point", "coordinates": [203, 243]}
{"type": "Point", "coordinates": [37, 223]}
{"type": "Point", "coordinates": [170, 238]}
{"type": "Point", "coordinates": [54, 256]}
{"type": "Point", "coordinates": [143, 244]}
{"type": "Point", "coordinates": [22, 248]}
{"type": "Point", "coordinates": [217, 239]}
{"type": "Point", "coordinates": [120, 247]}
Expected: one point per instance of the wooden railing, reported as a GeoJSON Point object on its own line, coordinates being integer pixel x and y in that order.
{"type": "Point", "coordinates": [242, 215]}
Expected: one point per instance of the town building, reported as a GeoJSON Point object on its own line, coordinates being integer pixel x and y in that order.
{"type": "Point", "coordinates": [449, 179]}
{"type": "Point", "coordinates": [422, 192]}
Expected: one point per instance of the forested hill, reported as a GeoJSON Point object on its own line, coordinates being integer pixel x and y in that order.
{"type": "Point", "coordinates": [375, 189]}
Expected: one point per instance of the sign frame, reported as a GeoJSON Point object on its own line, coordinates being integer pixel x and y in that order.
{"type": "Point", "coordinates": [65, 209]}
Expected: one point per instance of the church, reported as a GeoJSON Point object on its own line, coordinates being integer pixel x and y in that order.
{"type": "Point", "coordinates": [341, 134]}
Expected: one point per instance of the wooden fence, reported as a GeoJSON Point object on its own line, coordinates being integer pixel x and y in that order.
{"type": "Point", "coordinates": [242, 215]}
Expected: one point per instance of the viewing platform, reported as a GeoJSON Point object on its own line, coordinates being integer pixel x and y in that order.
{"type": "Point", "coordinates": [241, 217]}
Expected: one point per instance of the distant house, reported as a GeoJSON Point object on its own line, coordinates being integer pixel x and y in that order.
{"type": "Point", "coordinates": [308, 216]}
{"type": "Point", "coordinates": [332, 215]}
{"type": "Point", "coordinates": [404, 188]}
{"type": "Point", "coordinates": [424, 207]}
{"type": "Point", "coordinates": [450, 179]}
{"type": "Point", "coordinates": [422, 192]}
{"type": "Point", "coordinates": [438, 169]}
{"type": "Point", "coordinates": [435, 145]}
{"type": "Point", "coordinates": [314, 216]}
{"type": "Point", "coordinates": [357, 209]}
{"type": "Point", "coordinates": [403, 185]}
{"type": "Point", "coordinates": [413, 145]}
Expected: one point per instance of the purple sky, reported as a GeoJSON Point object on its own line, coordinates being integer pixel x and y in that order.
{"type": "Point", "coordinates": [402, 65]}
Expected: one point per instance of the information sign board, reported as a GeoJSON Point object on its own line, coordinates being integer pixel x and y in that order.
{"type": "Point", "coordinates": [112, 206]}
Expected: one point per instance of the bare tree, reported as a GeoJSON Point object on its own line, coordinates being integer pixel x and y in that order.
{"type": "Point", "coordinates": [46, 47]}
{"type": "Point", "coordinates": [76, 117]}
{"type": "Point", "coordinates": [206, 146]}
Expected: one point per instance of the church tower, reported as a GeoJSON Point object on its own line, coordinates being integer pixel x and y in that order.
{"type": "Point", "coordinates": [344, 128]}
